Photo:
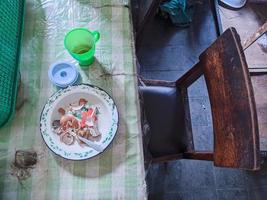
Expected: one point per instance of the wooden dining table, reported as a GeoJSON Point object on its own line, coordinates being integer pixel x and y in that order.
{"type": "Point", "coordinates": [117, 173]}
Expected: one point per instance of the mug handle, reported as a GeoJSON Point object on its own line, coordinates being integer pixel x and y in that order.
{"type": "Point", "coordinates": [96, 35]}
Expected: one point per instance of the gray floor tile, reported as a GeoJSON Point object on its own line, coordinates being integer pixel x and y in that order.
{"type": "Point", "coordinates": [167, 58]}
{"type": "Point", "coordinates": [203, 137]}
{"type": "Point", "coordinates": [257, 179]}
{"type": "Point", "coordinates": [185, 195]}
{"type": "Point", "coordinates": [156, 178]}
{"type": "Point", "coordinates": [229, 178]}
{"type": "Point", "coordinates": [189, 174]}
{"type": "Point", "coordinates": [164, 34]}
{"type": "Point", "coordinates": [164, 46]}
{"type": "Point", "coordinates": [200, 32]}
{"type": "Point", "coordinates": [198, 88]}
{"type": "Point", "coordinates": [204, 194]}
{"type": "Point", "coordinates": [200, 111]}
{"type": "Point", "coordinates": [258, 193]}
{"type": "Point", "coordinates": [180, 176]}
{"type": "Point", "coordinates": [232, 194]}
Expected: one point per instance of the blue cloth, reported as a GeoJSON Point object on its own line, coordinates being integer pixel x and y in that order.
{"type": "Point", "coordinates": [179, 12]}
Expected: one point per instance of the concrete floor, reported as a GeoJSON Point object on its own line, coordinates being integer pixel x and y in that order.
{"type": "Point", "coordinates": [167, 52]}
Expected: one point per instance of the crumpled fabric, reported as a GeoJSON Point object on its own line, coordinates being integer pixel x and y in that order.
{"type": "Point", "coordinates": [180, 12]}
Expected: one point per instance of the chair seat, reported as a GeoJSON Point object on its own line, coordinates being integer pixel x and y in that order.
{"type": "Point", "coordinates": [164, 112]}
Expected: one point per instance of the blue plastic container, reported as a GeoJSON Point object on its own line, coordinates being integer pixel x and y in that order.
{"type": "Point", "coordinates": [63, 74]}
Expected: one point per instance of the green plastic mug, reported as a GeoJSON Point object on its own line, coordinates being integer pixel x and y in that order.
{"type": "Point", "coordinates": [80, 43]}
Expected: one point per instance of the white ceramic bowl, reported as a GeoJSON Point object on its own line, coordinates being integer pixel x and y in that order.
{"type": "Point", "coordinates": [107, 120]}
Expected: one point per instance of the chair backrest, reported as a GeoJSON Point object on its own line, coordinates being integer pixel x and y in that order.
{"type": "Point", "coordinates": [235, 125]}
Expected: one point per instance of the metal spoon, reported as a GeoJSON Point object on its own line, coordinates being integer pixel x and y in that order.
{"type": "Point", "coordinates": [91, 144]}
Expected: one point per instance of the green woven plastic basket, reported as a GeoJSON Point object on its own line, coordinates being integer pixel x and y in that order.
{"type": "Point", "coordinates": [11, 23]}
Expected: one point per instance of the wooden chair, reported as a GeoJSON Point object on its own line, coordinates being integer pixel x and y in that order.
{"type": "Point", "coordinates": [235, 126]}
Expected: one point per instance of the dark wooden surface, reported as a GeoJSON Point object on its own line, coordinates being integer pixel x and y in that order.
{"type": "Point", "coordinates": [190, 77]}
{"type": "Point", "coordinates": [204, 155]}
{"type": "Point", "coordinates": [236, 136]}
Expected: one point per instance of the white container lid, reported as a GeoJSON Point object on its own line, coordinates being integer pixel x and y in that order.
{"type": "Point", "coordinates": [63, 74]}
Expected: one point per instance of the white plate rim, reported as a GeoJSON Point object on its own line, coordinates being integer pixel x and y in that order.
{"type": "Point", "coordinates": [91, 153]}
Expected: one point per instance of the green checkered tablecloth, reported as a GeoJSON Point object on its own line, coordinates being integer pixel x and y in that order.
{"type": "Point", "coordinates": [118, 173]}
